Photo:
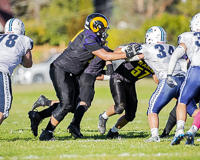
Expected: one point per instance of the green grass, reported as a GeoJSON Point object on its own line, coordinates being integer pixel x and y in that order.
{"type": "Point", "coordinates": [17, 141]}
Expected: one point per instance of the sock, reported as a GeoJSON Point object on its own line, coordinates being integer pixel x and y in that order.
{"type": "Point", "coordinates": [78, 115]}
{"type": "Point", "coordinates": [196, 121]}
{"type": "Point", "coordinates": [193, 129]}
{"type": "Point", "coordinates": [47, 112]}
{"type": "Point", "coordinates": [50, 127]}
{"type": "Point", "coordinates": [114, 129]}
{"type": "Point", "coordinates": [180, 124]}
{"type": "Point", "coordinates": [154, 132]}
{"type": "Point", "coordinates": [104, 115]}
{"type": "Point", "coordinates": [171, 122]}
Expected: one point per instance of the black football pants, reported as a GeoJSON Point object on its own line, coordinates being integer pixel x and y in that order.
{"type": "Point", "coordinates": [67, 91]}
{"type": "Point", "coordinates": [125, 97]}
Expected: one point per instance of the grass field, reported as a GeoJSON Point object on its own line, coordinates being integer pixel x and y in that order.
{"type": "Point", "coordinates": [17, 141]}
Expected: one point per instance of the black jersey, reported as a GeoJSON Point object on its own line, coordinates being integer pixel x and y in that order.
{"type": "Point", "coordinates": [78, 54]}
{"type": "Point", "coordinates": [130, 72]}
{"type": "Point", "coordinates": [97, 65]}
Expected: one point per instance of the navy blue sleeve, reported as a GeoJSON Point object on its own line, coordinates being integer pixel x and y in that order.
{"type": "Point", "coordinates": [91, 42]}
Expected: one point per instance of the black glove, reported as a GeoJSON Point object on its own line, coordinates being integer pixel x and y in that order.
{"type": "Point", "coordinates": [131, 50]}
{"type": "Point", "coordinates": [137, 47]}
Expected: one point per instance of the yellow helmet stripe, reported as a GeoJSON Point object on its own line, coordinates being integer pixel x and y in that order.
{"type": "Point", "coordinates": [98, 19]}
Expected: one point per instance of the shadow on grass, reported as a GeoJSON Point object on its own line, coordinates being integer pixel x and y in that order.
{"type": "Point", "coordinates": [96, 136]}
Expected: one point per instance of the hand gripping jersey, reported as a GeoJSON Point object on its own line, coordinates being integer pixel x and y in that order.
{"type": "Point", "coordinates": [192, 42]}
{"type": "Point", "coordinates": [130, 72]}
{"type": "Point", "coordinates": [78, 54]}
{"type": "Point", "coordinates": [157, 56]}
{"type": "Point", "coordinates": [12, 48]}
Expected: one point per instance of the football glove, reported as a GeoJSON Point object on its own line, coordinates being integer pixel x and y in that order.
{"type": "Point", "coordinates": [171, 82]}
{"type": "Point", "coordinates": [131, 50]}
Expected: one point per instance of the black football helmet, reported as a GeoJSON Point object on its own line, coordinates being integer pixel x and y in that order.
{"type": "Point", "coordinates": [99, 24]}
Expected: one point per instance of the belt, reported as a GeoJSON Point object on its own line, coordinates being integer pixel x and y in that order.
{"type": "Point", "coordinates": [179, 75]}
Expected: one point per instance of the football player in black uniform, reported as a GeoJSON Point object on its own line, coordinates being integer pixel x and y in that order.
{"type": "Point", "coordinates": [122, 86]}
{"type": "Point", "coordinates": [86, 85]}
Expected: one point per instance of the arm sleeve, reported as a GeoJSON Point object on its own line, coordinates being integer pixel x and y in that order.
{"type": "Point", "coordinates": [110, 69]}
{"type": "Point", "coordinates": [178, 53]}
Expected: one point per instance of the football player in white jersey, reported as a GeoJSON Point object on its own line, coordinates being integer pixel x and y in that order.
{"type": "Point", "coordinates": [157, 55]}
{"type": "Point", "coordinates": [189, 43]}
{"type": "Point", "coordinates": [15, 49]}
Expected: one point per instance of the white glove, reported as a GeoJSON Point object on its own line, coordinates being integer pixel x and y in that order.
{"type": "Point", "coordinates": [171, 82]}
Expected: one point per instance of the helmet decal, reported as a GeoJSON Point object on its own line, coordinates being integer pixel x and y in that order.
{"type": "Point", "coordinates": [162, 33]}
{"type": "Point", "coordinates": [101, 19]}
{"type": "Point", "coordinates": [10, 24]}
{"type": "Point", "coordinates": [97, 23]}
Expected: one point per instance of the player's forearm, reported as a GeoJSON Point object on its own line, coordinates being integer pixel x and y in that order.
{"type": "Point", "coordinates": [178, 53]}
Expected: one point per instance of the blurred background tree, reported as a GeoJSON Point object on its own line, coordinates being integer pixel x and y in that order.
{"type": "Point", "coordinates": [57, 21]}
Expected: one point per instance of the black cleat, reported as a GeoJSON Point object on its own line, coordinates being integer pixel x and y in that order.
{"type": "Point", "coordinates": [189, 138]}
{"type": "Point", "coordinates": [35, 121]}
{"type": "Point", "coordinates": [165, 134]}
{"type": "Point", "coordinates": [102, 124]}
{"type": "Point", "coordinates": [42, 101]}
{"type": "Point", "coordinates": [113, 135]}
{"type": "Point", "coordinates": [46, 136]}
{"type": "Point", "coordinates": [75, 131]}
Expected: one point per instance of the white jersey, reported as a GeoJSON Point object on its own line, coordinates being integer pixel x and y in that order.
{"type": "Point", "coordinates": [157, 56]}
{"type": "Point", "coordinates": [12, 48]}
{"type": "Point", "coordinates": [192, 42]}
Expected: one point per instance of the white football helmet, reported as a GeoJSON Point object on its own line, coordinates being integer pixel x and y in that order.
{"type": "Point", "coordinates": [14, 26]}
{"type": "Point", "coordinates": [195, 23]}
{"type": "Point", "coordinates": [155, 34]}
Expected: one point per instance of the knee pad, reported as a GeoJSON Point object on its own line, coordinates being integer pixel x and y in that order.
{"type": "Point", "coordinates": [130, 117]}
{"type": "Point", "coordinates": [87, 95]}
{"type": "Point", "coordinates": [119, 108]}
{"type": "Point", "coordinates": [59, 113]}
